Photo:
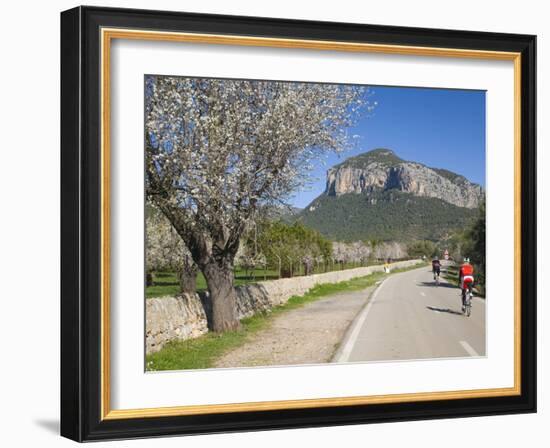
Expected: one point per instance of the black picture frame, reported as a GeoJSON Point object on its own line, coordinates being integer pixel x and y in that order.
{"type": "Point", "coordinates": [81, 224]}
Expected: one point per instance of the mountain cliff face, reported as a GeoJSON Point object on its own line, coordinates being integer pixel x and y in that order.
{"type": "Point", "coordinates": [381, 170]}
{"type": "Point", "coordinates": [377, 195]}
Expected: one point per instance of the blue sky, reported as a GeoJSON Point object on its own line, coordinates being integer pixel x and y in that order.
{"type": "Point", "coordinates": [441, 128]}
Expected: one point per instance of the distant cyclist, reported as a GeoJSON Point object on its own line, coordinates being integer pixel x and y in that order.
{"type": "Point", "coordinates": [436, 268]}
{"type": "Point", "coordinates": [465, 278]}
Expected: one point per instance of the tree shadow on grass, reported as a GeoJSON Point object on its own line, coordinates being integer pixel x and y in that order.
{"type": "Point", "coordinates": [165, 283]}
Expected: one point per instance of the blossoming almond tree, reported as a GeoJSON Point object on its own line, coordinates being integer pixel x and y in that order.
{"type": "Point", "coordinates": [218, 150]}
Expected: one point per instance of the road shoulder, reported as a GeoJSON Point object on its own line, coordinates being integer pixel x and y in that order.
{"type": "Point", "coordinates": [307, 335]}
{"type": "Point", "coordinates": [345, 348]}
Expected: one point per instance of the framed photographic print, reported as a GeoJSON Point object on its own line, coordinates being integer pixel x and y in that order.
{"type": "Point", "coordinates": [273, 223]}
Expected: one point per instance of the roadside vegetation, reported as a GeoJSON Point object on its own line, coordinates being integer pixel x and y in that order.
{"type": "Point", "coordinates": [451, 274]}
{"type": "Point", "coordinates": [471, 243]}
{"type": "Point", "coordinates": [268, 250]}
{"type": "Point", "coordinates": [202, 352]}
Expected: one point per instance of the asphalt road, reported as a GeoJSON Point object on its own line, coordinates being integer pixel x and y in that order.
{"type": "Point", "coordinates": [409, 317]}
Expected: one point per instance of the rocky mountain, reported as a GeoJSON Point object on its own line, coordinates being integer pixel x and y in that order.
{"type": "Point", "coordinates": [381, 170]}
{"type": "Point", "coordinates": [377, 195]}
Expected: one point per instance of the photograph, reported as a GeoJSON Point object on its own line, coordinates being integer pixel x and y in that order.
{"type": "Point", "coordinates": [272, 223]}
{"type": "Point", "coordinates": [303, 223]}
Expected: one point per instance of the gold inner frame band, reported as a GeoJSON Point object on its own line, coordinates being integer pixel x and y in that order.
{"type": "Point", "coordinates": [107, 35]}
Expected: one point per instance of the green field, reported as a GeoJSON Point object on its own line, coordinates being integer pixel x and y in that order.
{"type": "Point", "coordinates": [166, 283]}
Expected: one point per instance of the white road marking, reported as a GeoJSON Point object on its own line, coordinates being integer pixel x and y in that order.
{"type": "Point", "coordinates": [468, 348]}
{"type": "Point", "coordinates": [357, 325]}
{"type": "Point", "coordinates": [422, 294]}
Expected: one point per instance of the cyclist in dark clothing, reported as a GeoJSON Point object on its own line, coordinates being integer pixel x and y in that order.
{"type": "Point", "coordinates": [436, 267]}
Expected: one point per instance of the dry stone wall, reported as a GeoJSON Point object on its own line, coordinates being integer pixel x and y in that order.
{"type": "Point", "coordinates": [168, 318]}
{"type": "Point", "coordinates": [184, 317]}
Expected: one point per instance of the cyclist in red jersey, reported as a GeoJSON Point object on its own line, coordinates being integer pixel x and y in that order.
{"type": "Point", "coordinates": [465, 278]}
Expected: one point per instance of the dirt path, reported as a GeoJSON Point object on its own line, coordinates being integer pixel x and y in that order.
{"type": "Point", "coordinates": [307, 335]}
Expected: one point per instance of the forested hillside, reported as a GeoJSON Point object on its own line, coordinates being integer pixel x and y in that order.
{"type": "Point", "coordinates": [385, 215]}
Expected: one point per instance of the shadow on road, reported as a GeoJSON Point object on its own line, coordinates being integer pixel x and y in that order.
{"type": "Point", "coordinates": [441, 285]}
{"type": "Point", "coordinates": [444, 310]}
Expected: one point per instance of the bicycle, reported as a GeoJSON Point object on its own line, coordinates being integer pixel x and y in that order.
{"type": "Point", "coordinates": [436, 274]}
{"type": "Point", "coordinates": [467, 304]}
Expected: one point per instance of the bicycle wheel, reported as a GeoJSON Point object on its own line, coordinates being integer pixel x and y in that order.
{"type": "Point", "coordinates": [468, 304]}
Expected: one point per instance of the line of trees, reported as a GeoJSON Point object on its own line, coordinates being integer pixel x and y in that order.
{"type": "Point", "coordinates": [289, 249]}
{"type": "Point", "coordinates": [292, 248]}
{"type": "Point", "coordinates": [362, 252]}
{"type": "Point", "coordinates": [470, 243]}
{"type": "Point", "coordinates": [423, 248]}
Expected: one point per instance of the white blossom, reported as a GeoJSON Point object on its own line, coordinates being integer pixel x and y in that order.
{"type": "Point", "coordinates": [217, 149]}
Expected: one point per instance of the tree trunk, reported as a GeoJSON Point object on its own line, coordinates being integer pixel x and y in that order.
{"type": "Point", "coordinates": [187, 277]}
{"type": "Point", "coordinates": [219, 278]}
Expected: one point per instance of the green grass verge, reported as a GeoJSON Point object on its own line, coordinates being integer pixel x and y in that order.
{"type": "Point", "coordinates": [202, 352]}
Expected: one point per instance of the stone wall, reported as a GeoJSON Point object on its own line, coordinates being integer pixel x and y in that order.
{"type": "Point", "coordinates": [184, 317]}
{"type": "Point", "coordinates": [168, 318]}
